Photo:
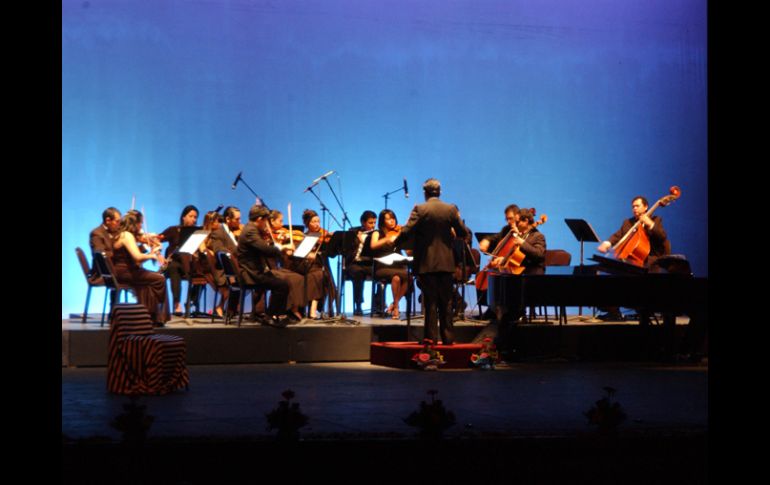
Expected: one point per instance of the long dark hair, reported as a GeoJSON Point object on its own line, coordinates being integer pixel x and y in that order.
{"type": "Point", "coordinates": [186, 211]}
{"type": "Point", "coordinates": [381, 219]}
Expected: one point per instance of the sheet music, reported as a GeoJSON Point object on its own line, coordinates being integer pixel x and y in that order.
{"type": "Point", "coordinates": [193, 242]}
{"type": "Point", "coordinates": [305, 246]}
{"type": "Point", "coordinates": [393, 258]}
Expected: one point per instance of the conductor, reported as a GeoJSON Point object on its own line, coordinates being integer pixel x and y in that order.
{"type": "Point", "coordinates": [430, 230]}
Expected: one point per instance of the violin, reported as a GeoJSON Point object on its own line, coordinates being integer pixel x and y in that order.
{"type": "Point", "coordinates": [394, 232]}
{"type": "Point", "coordinates": [284, 236]}
{"type": "Point", "coordinates": [634, 246]}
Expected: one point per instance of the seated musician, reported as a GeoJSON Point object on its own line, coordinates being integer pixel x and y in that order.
{"type": "Point", "coordinates": [102, 237]}
{"type": "Point", "coordinates": [488, 244]}
{"type": "Point", "coordinates": [530, 241]}
{"type": "Point", "coordinates": [659, 246]}
{"type": "Point", "coordinates": [175, 270]}
{"type": "Point", "coordinates": [253, 255]}
{"type": "Point", "coordinates": [358, 258]}
{"type": "Point", "coordinates": [149, 286]}
{"type": "Point", "coordinates": [222, 238]}
{"type": "Point", "coordinates": [279, 266]}
{"type": "Point", "coordinates": [382, 244]}
{"type": "Point", "coordinates": [312, 266]}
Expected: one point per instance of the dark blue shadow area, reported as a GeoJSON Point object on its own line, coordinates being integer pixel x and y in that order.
{"type": "Point", "coordinates": [571, 107]}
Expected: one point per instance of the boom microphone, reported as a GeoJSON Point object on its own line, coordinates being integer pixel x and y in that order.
{"type": "Point", "coordinates": [315, 182]}
{"type": "Point", "coordinates": [237, 179]}
{"type": "Point", "coordinates": [406, 189]}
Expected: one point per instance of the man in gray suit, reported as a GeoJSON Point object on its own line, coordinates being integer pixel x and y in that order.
{"type": "Point", "coordinates": [431, 228]}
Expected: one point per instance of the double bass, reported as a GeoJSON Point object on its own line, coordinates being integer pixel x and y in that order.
{"type": "Point", "coordinates": [512, 255]}
{"type": "Point", "coordinates": [634, 246]}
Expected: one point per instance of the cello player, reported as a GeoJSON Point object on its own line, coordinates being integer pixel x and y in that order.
{"type": "Point", "coordinates": [653, 227]}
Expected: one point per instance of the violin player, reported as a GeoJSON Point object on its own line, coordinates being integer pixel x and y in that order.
{"type": "Point", "coordinates": [382, 244]}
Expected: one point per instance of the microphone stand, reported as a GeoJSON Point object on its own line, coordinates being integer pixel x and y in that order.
{"type": "Point", "coordinates": [392, 192]}
{"type": "Point", "coordinates": [240, 179]}
{"type": "Point", "coordinates": [340, 318]}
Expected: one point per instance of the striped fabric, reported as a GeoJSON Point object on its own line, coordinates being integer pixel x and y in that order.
{"type": "Point", "coordinates": [140, 361]}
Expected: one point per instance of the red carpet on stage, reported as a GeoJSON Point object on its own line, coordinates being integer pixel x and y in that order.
{"type": "Point", "coordinates": [399, 354]}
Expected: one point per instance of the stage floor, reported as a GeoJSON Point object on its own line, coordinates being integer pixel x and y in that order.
{"type": "Point", "coordinates": [348, 340]}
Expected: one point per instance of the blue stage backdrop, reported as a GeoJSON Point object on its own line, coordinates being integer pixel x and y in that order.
{"type": "Point", "coordinates": [571, 107]}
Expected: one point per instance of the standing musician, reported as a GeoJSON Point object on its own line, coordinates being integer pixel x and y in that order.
{"type": "Point", "coordinates": [430, 228]}
{"type": "Point", "coordinates": [659, 245]}
{"type": "Point", "coordinates": [253, 255]}
{"type": "Point", "coordinates": [175, 270]}
{"type": "Point", "coordinates": [149, 286]}
{"type": "Point", "coordinates": [358, 258]}
{"type": "Point", "coordinates": [382, 244]}
{"type": "Point", "coordinates": [312, 267]}
{"type": "Point", "coordinates": [278, 266]}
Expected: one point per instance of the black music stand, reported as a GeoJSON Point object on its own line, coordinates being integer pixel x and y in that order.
{"type": "Point", "coordinates": [583, 232]}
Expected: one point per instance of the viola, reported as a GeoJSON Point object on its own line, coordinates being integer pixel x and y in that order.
{"type": "Point", "coordinates": [634, 246]}
{"type": "Point", "coordinates": [283, 235]}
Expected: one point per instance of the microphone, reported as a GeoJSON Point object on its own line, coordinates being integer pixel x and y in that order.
{"type": "Point", "coordinates": [315, 182]}
{"type": "Point", "coordinates": [219, 208]}
{"type": "Point", "coordinates": [406, 189]}
{"type": "Point", "coordinates": [237, 179]}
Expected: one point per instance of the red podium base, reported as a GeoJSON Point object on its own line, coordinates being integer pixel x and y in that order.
{"type": "Point", "coordinates": [399, 354]}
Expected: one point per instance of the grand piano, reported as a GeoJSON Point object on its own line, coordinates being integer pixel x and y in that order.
{"type": "Point", "coordinates": [668, 290]}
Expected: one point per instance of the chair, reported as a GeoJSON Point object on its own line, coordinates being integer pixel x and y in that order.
{"type": "Point", "coordinates": [557, 257]}
{"type": "Point", "coordinates": [92, 280]}
{"type": "Point", "coordinates": [235, 284]}
{"type": "Point", "coordinates": [141, 361]}
{"type": "Point", "coordinates": [103, 268]}
{"type": "Point", "coordinates": [195, 280]}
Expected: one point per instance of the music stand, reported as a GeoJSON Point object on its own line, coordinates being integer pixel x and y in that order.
{"type": "Point", "coordinates": [583, 232]}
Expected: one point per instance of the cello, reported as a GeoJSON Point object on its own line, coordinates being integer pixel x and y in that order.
{"type": "Point", "coordinates": [634, 246]}
{"type": "Point", "coordinates": [513, 255]}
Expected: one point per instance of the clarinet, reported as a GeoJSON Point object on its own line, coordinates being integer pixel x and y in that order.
{"type": "Point", "coordinates": [360, 248]}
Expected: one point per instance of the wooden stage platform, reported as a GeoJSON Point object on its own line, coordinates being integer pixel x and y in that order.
{"type": "Point", "coordinates": [85, 344]}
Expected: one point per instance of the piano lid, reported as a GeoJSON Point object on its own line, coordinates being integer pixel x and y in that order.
{"type": "Point", "coordinates": [617, 266]}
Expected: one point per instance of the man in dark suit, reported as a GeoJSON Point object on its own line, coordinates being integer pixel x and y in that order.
{"type": "Point", "coordinates": [430, 229]}
{"type": "Point", "coordinates": [253, 252]}
{"type": "Point", "coordinates": [100, 238]}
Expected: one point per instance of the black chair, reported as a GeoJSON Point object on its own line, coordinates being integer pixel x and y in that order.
{"type": "Point", "coordinates": [103, 268]}
{"type": "Point", "coordinates": [196, 284]}
{"type": "Point", "coordinates": [92, 280]}
{"type": "Point", "coordinates": [235, 284]}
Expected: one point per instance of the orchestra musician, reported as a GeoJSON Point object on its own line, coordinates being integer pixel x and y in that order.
{"type": "Point", "coordinates": [488, 244]}
{"type": "Point", "coordinates": [382, 244]}
{"type": "Point", "coordinates": [284, 241]}
{"type": "Point", "coordinates": [149, 286]}
{"type": "Point", "coordinates": [530, 241]}
{"type": "Point", "coordinates": [312, 267]}
{"type": "Point", "coordinates": [430, 229]}
{"type": "Point", "coordinates": [175, 270]}
{"type": "Point", "coordinates": [222, 238]}
{"type": "Point", "coordinates": [102, 237]}
{"type": "Point", "coordinates": [653, 227]}
{"type": "Point", "coordinates": [659, 245]}
{"type": "Point", "coordinates": [358, 258]}
{"type": "Point", "coordinates": [253, 253]}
